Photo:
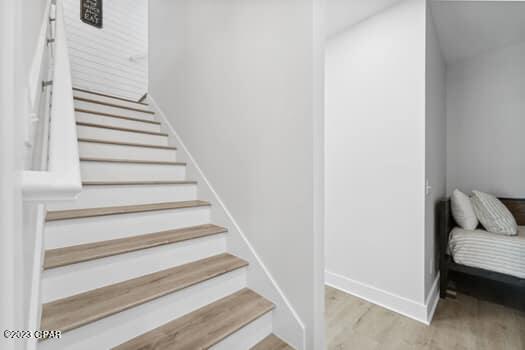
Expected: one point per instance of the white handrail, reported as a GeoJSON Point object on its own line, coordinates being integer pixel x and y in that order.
{"type": "Point", "coordinates": [36, 65]}
{"type": "Point", "coordinates": [61, 181]}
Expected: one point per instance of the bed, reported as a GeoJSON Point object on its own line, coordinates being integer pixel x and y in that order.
{"type": "Point", "coordinates": [486, 265]}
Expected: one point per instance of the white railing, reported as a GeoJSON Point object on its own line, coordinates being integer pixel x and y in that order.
{"type": "Point", "coordinates": [60, 178]}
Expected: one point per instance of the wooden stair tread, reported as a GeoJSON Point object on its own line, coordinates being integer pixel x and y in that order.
{"type": "Point", "coordinates": [132, 161]}
{"type": "Point", "coordinates": [125, 183]}
{"type": "Point", "coordinates": [110, 115]}
{"type": "Point", "coordinates": [78, 310]}
{"type": "Point", "coordinates": [110, 96]}
{"type": "Point", "coordinates": [206, 326]}
{"type": "Point", "coordinates": [126, 209]}
{"type": "Point", "coordinates": [94, 125]}
{"type": "Point", "coordinates": [83, 99]}
{"type": "Point", "coordinates": [118, 143]}
{"type": "Point", "coordinates": [272, 342]}
{"type": "Point", "coordinates": [85, 252]}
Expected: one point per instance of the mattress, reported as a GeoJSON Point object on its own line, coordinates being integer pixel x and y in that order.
{"type": "Point", "coordinates": [489, 251]}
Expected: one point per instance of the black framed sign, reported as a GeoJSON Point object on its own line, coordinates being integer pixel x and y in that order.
{"type": "Point", "coordinates": [91, 12]}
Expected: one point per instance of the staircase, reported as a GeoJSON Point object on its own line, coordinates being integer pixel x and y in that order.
{"type": "Point", "coordinates": [134, 262]}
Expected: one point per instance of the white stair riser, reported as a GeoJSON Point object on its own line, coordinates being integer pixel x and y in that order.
{"type": "Point", "coordinates": [65, 281]}
{"type": "Point", "coordinates": [117, 122]}
{"type": "Point", "coordinates": [248, 336]}
{"type": "Point", "coordinates": [90, 106]}
{"type": "Point", "coordinates": [116, 329]}
{"type": "Point", "coordinates": [89, 132]}
{"type": "Point", "coordinates": [106, 196]}
{"type": "Point", "coordinates": [104, 150]}
{"type": "Point", "coordinates": [63, 233]}
{"type": "Point", "coordinates": [101, 171]}
{"type": "Point", "coordinates": [114, 101]}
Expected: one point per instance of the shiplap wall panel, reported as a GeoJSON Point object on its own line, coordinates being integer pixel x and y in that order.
{"type": "Point", "coordinates": [100, 58]}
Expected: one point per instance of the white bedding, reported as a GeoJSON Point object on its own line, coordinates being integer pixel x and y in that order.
{"type": "Point", "coordinates": [489, 251]}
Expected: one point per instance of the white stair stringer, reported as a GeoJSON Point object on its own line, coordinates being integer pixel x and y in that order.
{"type": "Point", "coordinates": [114, 121]}
{"type": "Point", "coordinates": [286, 322]}
{"type": "Point", "coordinates": [93, 196]}
{"type": "Point", "coordinates": [93, 149]}
{"type": "Point", "coordinates": [118, 328]}
{"type": "Point", "coordinates": [65, 233]}
{"type": "Point", "coordinates": [61, 282]}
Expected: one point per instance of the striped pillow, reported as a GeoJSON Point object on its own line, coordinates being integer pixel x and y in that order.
{"type": "Point", "coordinates": [493, 214]}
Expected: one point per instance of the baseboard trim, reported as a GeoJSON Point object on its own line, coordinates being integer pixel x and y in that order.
{"type": "Point", "coordinates": [417, 311]}
{"type": "Point", "coordinates": [432, 300]}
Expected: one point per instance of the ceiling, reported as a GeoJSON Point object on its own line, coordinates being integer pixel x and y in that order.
{"type": "Point", "coordinates": [468, 28]}
{"type": "Point", "coordinates": [341, 14]}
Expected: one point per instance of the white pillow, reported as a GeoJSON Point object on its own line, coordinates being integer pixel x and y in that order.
{"type": "Point", "coordinates": [463, 211]}
{"type": "Point", "coordinates": [493, 214]}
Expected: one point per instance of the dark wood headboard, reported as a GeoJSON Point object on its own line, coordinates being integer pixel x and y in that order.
{"type": "Point", "coordinates": [444, 226]}
{"type": "Point", "coordinates": [517, 208]}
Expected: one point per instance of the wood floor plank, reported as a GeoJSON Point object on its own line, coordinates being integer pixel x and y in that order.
{"type": "Point", "coordinates": [127, 183]}
{"type": "Point", "coordinates": [101, 126]}
{"type": "Point", "coordinates": [90, 251]}
{"type": "Point", "coordinates": [117, 116]}
{"type": "Point", "coordinates": [78, 310]}
{"type": "Point", "coordinates": [118, 143]}
{"type": "Point", "coordinates": [132, 161]}
{"type": "Point", "coordinates": [83, 99]}
{"type": "Point", "coordinates": [272, 342]}
{"type": "Point", "coordinates": [126, 209]}
{"type": "Point", "coordinates": [110, 96]}
{"type": "Point", "coordinates": [462, 323]}
{"type": "Point", "coordinates": [204, 327]}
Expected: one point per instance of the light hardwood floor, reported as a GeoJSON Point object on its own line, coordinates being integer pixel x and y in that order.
{"type": "Point", "coordinates": [461, 324]}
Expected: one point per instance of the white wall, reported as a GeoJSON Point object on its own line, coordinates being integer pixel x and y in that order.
{"type": "Point", "coordinates": [375, 158]}
{"type": "Point", "coordinates": [100, 58]}
{"type": "Point", "coordinates": [19, 26]}
{"type": "Point", "coordinates": [10, 304]}
{"type": "Point", "coordinates": [341, 14]}
{"type": "Point", "coordinates": [236, 80]}
{"type": "Point", "coordinates": [485, 123]}
{"type": "Point", "coordinates": [436, 150]}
